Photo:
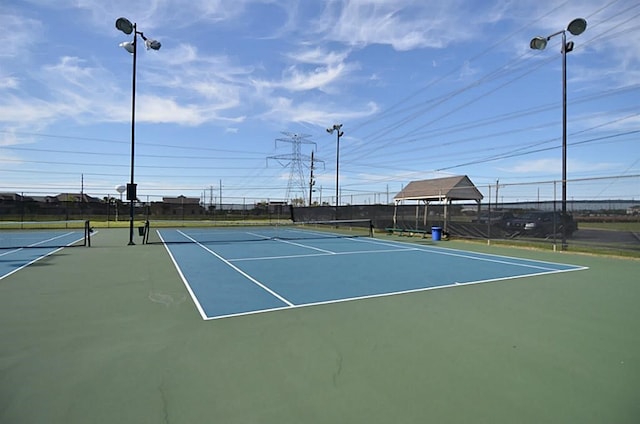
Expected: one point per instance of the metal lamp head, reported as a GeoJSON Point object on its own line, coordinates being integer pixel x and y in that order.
{"type": "Point", "coordinates": [577, 26]}
{"type": "Point", "coordinates": [538, 43]}
{"type": "Point", "coordinates": [128, 46]}
{"type": "Point", "coordinates": [124, 25]}
{"type": "Point", "coordinates": [152, 44]}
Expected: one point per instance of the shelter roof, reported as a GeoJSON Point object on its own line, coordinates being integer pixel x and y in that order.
{"type": "Point", "coordinates": [448, 188]}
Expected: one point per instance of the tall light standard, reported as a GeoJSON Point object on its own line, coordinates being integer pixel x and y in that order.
{"type": "Point", "coordinates": [338, 129]}
{"type": "Point", "coordinates": [125, 25]}
{"type": "Point", "coordinates": [575, 27]}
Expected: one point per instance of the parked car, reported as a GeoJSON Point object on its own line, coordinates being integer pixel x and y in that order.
{"type": "Point", "coordinates": [497, 217]}
{"type": "Point", "coordinates": [542, 224]}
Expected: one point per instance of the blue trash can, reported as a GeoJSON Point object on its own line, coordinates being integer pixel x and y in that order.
{"type": "Point", "coordinates": [436, 233]}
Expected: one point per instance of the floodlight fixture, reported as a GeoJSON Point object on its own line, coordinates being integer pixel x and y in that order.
{"type": "Point", "coordinates": [126, 26]}
{"type": "Point", "coordinates": [128, 46]}
{"type": "Point", "coordinates": [339, 133]}
{"type": "Point", "coordinates": [538, 43]}
{"type": "Point", "coordinates": [152, 44]}
{"type": "Point", "coordinates": [575, 27]}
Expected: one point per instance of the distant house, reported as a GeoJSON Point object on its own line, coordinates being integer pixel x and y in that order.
{"type": "Point", "coordinates": [181, 200]}
{"type": "Point", "coordinates": [180, 205]}
{"type": "Point", "coordinates": [73, 197]}
{"type": "Point", "coordinates": [633, 210]}
{"type": "Point", "coordinates": [11, 197]}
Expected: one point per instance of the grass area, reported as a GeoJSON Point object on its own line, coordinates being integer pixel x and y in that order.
{"type": "Point", "coordinates": [612, 226]}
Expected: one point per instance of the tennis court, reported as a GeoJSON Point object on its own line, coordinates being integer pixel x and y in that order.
{"type": "Point", "coordinates": [243, 270]}
{"type": "Point", "coordinates": [111, 334]}
{"type": "Point", "coordinates": [22, 247]}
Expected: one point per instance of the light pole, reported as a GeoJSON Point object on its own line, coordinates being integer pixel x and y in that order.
{"type": "Point", "coordinates": [339, 133]}
{"type": "Point", "coordinates": [575, 27]}
{"type": "Point", "coordinates": [125, 25]}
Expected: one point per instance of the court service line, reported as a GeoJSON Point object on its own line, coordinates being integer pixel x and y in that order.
{"type": "Point", "coordinates": [305, 246]}
{"type": "Point", "coordinates": [311, 255]}
{"type": "Point", "coordinates": [290, 242]}
{"type": "Point", "coordinates": [238, 270]}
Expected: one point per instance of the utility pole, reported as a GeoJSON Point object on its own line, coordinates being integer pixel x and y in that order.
{"type": "Point", "coordinates": [311, 182]}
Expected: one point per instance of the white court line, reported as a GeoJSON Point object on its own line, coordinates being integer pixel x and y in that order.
{"type": "Point", "coordinates": [311, 255]}
{"type": "Point", "coordinates": [470, 255]}
{"type": "Point", "coordinates": [238, 270]}
{"type": "Point", "coordinates": [305, 246]}
{"type": "Point", "coordinates": [184, 279]}
{"type": "Point", "coordinates": [39, 257]}
{"type": "Point", "coordinates": [398, 247]}
{"type": "Point", "coordinates": [40, 242]}
{"type": "Point", "coordinates": [287, 242]}
{"type": "Point", "coordinates": [388, 294]}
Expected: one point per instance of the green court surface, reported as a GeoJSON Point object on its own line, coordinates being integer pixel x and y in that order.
{"type": "Point", "coordinates": [109, 334]}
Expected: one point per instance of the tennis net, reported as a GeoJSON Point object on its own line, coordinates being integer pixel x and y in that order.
{"type": "Point", "coordinates": [161, 231]}
{"type": "Point", "coordinates": [44, 234]}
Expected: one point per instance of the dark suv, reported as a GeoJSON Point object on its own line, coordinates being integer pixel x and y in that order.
{"type": "Point", "coordinates": [497, 217]}
{"type": "Point", "coordinates": [543, 224]}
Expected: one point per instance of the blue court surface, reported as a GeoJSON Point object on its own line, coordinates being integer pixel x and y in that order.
{"type": "Point", "coordinates": [19, 249]}
{"type": "Point", "coordinates": [231, 278]}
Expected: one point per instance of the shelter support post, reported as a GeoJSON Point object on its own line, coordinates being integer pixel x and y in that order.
{"type": "Point", "coordinates": [395, 214]}
{"type": "Point", "coordinates": [426, 213]}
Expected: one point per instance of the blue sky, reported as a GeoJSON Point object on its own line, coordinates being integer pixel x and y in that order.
{"type": "Point", "coordinates": [423, 88]}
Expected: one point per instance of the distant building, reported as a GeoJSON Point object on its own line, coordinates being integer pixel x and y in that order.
{"type": "Point", "coordinates": [178, 206]}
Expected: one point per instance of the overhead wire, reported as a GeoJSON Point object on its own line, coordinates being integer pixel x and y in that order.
{"type": "Point", "coordinates": [400, 139]}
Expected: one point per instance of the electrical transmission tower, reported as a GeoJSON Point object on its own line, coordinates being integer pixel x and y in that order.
{"type": "Point", "coordinates": [295, 161]}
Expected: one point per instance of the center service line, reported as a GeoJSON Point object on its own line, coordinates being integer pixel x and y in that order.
{"type": "Point", "coordinates": [241, 272]}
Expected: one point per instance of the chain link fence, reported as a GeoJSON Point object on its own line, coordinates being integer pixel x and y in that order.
{"type": "Point", "coordinates": [601, 213]}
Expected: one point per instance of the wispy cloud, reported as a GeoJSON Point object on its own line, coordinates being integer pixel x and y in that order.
{"type": "Point", "coordinates": [283, 109]}
{"type": "Point", "coordinates": [294, 79]}
{"type": "Point", "coordinates": [18, 33]}
{"type": "Point", "coordinates": [402, 25]}
{"type": "Point", "coordinates": [319, 55]}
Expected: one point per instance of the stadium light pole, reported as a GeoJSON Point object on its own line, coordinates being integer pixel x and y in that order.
{"type": "Point", "coordinates": [339, 133]}
{"type": "Point", "coordinates": [575, 27]}
{"type": "Point", "coordinates": [126, 26]}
